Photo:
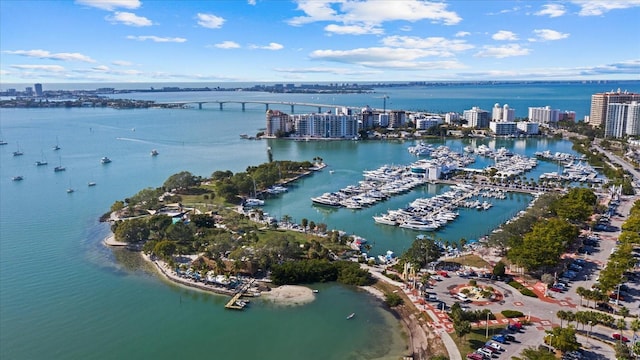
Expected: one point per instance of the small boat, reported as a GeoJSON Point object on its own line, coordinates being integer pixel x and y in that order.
{"type": "Point", "coordinates": [56, 147]}
{"type": "Point", "coordinates": [154, 152]}
{"type": "Point", "coordinates": [17, 178]}
{"type": "Point", "coordinates": [2, 142]}
{"type": "Point", "coordinates": [331, 171]}
{"type": "Point", "coordinates": [91, 183]}
{"type": "Point", "coordinates": [42, 162]}
{"type": "Point", "coordinates": [105, 160]}
{"type": "Point", "coordinates": [18, 152]}
{"type": "Point", "coordinates": [315, 291]}
{"type": "Point", "coordinates": [70, 190]}
{"type": "Point", "coordinates": [351, 316]}
{"type": "Point", "coordinates": [59, 167]}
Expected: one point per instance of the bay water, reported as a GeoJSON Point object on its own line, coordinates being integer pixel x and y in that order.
{"type": "Point", "coordinates": [64, 295]}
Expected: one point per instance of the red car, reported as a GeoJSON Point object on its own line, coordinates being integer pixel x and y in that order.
{"type": "Point", "coordinates": [475, 356]}
{"type": "Point", "coordinates": [615, 296]}
{"type": "Point", "coordinates": [619, 337]}
{"type": "Point", "coordinates": [555, 289]}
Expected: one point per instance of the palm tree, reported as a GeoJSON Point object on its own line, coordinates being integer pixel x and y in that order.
{"type": "Point", "coordinates": [635, 326]}
{"type": "Point", "coordinates": [581, 292]}
{"type": "Point", "coordinates": [286, 219]}
{"type": "Point", "coordinates": [562, 315]}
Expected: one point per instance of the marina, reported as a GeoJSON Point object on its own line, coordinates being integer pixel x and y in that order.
{"type": "Point", "coordinates": [87, 281]}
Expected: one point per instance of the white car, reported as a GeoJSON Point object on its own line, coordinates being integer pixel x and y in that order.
{"type": "Point", "coordinates": [485, 352]}
{"type": "Point", "coordinates": [494, 345]}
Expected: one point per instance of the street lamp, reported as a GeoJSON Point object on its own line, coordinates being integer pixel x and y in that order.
{"type": "Point", "coordinates": [486, 334]}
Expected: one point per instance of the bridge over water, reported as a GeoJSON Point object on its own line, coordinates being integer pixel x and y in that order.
{"type": "Point", "coordinates": [266, 103]}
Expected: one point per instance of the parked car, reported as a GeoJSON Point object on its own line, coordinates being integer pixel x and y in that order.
{"type": "Point", "coordinates": [561, 286]}
{"type": "Point", "coordinates": [604, 307]}
{"type": "Point", "coordinates": [575, 267]}
{"type": "Point", "coordinates": [555, 289]}
{"type": "Point", "coordinates": [510, 337]}
{"type": "Point", "coordinates": [499, 338]}
{"type": "Point", "coordinates": [475, 356]}
{"type": "Point", "coordinates": [494, 345]}
{"type": "Point", "coordinates": [491, 350]}
{"type": "Point", "coordinates": [616, 296]}
{"type": "Point", "coordinates": [485, 352]}
{"type": "Point", "coordinates": [619, 337]}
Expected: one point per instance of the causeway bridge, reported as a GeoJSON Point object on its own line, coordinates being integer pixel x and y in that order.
{"type": "Point", "coordinates": [266, 103]}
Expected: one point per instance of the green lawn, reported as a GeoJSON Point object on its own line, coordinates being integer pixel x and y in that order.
{"type": "Point", "coordinates": [471, 260]}
{"type": "Point", "coordinates": [475, 339]}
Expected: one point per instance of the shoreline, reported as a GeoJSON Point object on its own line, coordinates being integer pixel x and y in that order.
{"type": "Point", "coordinates": [284, 295]}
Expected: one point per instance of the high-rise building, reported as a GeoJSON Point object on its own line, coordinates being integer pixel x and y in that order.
{"type": "Point", "coordinates": [38, 88]}
{"type": "Point", "coordinates": [496, 113]}
{"type": "Point", "coordinates": [616, 123]}
{"type": "Point", "coordinates": [508, 114]}
{"type": "Point", "coordinates": [476, 117]}
{"type": "Point", "coordinates": [600, 104]}
{"type": "Point", "coordinates": [544, 115]}
{"type": "Point", "coordinates": [633, 119]}
{"type": "Point", "coordinates": [277, 123]}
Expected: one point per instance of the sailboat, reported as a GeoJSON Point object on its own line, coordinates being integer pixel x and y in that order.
{"type": "Point", "coordinates": [59, 167]}
{"type": "Point", "coordinates": [56, 147]}
{"type": "Point", "coordinates": [43, 161]}
{"type": "Point", "coordinates": [18, 152]}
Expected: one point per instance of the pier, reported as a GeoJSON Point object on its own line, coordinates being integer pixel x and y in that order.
{"type": "Point", "coordinates": [235, 303]}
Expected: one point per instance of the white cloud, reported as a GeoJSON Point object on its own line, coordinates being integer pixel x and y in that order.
{"type": "Point", "coordinates": [122, 63]}
{"type": "Point", "coordinates": [552, 10]}
{"type": "Point", "coordinates": [327, 70]}
{"type": "Point", "coordinates": [624, 67]}
{"type": "Point", "coordinates": [548, 35]}
{"type": "Point", "coordinates": [364, 29]}
{"type": "Point", "coordinates": [110, 5]}
{"type": "Point", "coordinates": [227, 45]}
{"type": "Point", "coordinates": [502, 51]}
{"type": "Point", "coordinates": [504, 35]}
{"type": "Point", "coordinates": [599, 7]}
{"type": "Point", "coordinates": [462, 34]}
{"type": "Point", "coordinates": [373, 12]}
{"type": "Point", "coordinates": [251, 2]}
{"type": "Point", "coordinates": [44, 54]}
{"type": "Point", "coordinates": [157, 38]}
{"type": "Point", "coordinates": [440, 46]}
{"type": "Point", "coordinates": [4, 72]}
{"type": "Point", "coordinates": [385, 57]}
{"type": "Point", "coordinates": [210, 21]}
{"type": "Point", "coordinates": [271, 46]}
{"type": "Point", "coordinates": [101, 68]}
{"type": "Point", "coordinates": [129, 19]}
{"type": "Point", "coordinates": [406, 28]}
{"type": "Point", "coordinates": [52, 68]}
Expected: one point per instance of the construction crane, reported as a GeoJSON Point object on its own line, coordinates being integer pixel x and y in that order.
{"type": "Point", "coordinates": [384, 103]}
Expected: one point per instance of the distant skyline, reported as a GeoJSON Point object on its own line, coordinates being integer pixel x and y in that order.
{"type": "Point", "coordinates": [317, 41]}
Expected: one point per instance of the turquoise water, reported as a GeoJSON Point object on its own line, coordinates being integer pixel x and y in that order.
{"type": "Point", "coordinates": [64, 295]}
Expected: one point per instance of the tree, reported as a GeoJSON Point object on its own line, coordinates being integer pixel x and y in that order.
{"type": "Point", "coordinates": [165, 249]}
{"type": "Point", "coordinates": [462, 328]}
{"type": "Point", "coordinates": [393, 299]}
{"type": "Point", "coordinates": [499, 269]}
{"type": "Point", "coordinates": [423, 251]}
{"type": "Point", "coordinates": [131, 231]}
{"type": "Point", "coordinates": [531, 353]}
{"type": "Point", "coordinates": [304, 222]}
{"type": "Point", "coordinates": [564, 339]}
{"type": "Point", "coordinates": [180, 181]}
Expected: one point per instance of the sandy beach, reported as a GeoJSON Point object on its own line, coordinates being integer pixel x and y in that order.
{"type": "Point", "coordinates": [289, 295]}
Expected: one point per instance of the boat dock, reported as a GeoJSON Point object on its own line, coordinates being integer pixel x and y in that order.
{"type": "Point", "coordinates": [235, 303]}
{"type": "Point", "coordinates": [232, 303]}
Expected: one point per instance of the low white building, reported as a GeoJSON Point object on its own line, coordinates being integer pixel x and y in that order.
{"type": "Point", "coordinates": [424, 123]}
{"type": "Point", "coordinates": [528, 127]}
{"type": "Point", "coordinates": [503, 128]}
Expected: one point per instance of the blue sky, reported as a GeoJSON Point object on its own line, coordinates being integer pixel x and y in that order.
{"type": "Point", "coordinates": [305, 41]}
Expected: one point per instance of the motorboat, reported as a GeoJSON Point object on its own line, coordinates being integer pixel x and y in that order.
{"type": "Point", "coordinates": [17, 178]}
{"type": "Point", "coordinates": [105, 160]}
{"type": "Point", "coordinates": [254, 202]}
{"type": "Point", "coordinates": [154, 152]}
{"type": "Point", "coordinates": [351, 316]}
